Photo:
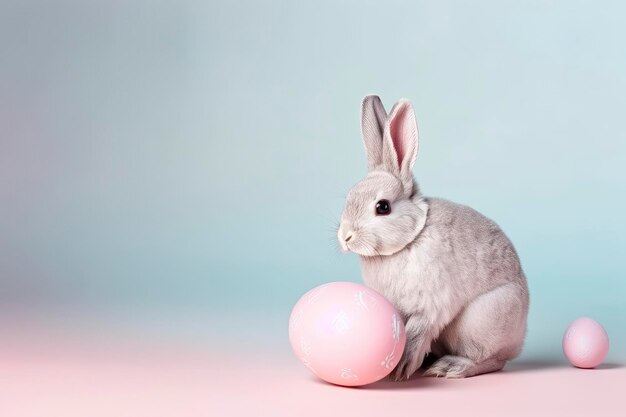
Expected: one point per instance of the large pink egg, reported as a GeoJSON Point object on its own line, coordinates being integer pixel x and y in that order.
{"type": "Point", "coordinates": [585, 343]}
{"type": "Point", "coordinates": [346, 333]}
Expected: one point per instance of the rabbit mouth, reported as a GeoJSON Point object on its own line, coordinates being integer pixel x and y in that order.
{"type": "Point", "coordinates": [350, 246]}
{"type": "Point", "coordinates": [353, 240]}
{"type": "Point", "coordinates": [364, 249]}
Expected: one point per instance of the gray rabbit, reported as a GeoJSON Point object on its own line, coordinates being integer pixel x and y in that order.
{"type": "Point", "coordinates": [451, 272]}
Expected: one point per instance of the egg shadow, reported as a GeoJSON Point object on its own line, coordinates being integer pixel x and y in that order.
{"type": "Point", "coordinates": [417, 381]}
{"type": "Point", "coordinates": [607, 366]}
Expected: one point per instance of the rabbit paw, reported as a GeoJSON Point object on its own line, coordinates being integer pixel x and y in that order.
{"type": "Point", "coordinates": [417, 345]}
{"type": "Point", "coordinates": [450, 367]}
{"type": "Point", "coordinates": [403, 370]}
{"type": "Point", "coordinates": [408, 364]}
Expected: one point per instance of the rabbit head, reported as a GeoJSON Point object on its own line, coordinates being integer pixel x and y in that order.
{"type": "Point", "coordinates": [384, 212]}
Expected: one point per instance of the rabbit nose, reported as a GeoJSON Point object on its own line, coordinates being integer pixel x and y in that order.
{"type": "Point", "coordinates": [347, 239]}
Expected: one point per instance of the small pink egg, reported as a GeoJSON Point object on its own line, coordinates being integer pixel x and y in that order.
{"type": "Point", "coordinates": [585, 343]}
{"type": "Point", "coordinates": [346, 333]}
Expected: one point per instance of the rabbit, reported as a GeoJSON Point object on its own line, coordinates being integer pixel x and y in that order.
{"type": "Point", "coordinates": [451, 273]}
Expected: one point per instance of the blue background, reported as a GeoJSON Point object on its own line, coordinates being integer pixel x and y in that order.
{"type": "Point", "coordinates": [190, 159]}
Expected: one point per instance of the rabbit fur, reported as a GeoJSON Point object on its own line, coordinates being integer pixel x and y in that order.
{"type": "Point", "coordinates": [451, 272]}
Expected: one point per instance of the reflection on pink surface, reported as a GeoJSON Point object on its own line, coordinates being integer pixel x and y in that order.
{"type": "Point", "coordinates": [91, 377]}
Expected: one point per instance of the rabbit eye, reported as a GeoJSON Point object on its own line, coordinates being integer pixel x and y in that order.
{"type": "Point", "coordinates": [383, 208]}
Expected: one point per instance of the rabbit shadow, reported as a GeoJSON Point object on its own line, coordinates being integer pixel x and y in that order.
{"type": "Point", "coordinates": [543, 364]}
{"type": "Point", "coordinates": [534, 364]}
{"type": "Point", "coordinates": [417, 381]}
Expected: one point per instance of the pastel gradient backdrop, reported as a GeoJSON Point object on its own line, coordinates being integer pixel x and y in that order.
{"type": "Point", "coordinates": [171, 173]}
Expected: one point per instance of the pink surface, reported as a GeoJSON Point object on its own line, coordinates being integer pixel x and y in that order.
{"type": "Point", "coordinates": [585, 343]}
{"type": "Point", "coordinates": [95, 374]}
{"type": "Point", "coordinates": [346, 333]}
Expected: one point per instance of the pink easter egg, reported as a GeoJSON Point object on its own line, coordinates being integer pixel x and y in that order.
{"type": "Point", "coordinates": [585, 343]}
{"type": "Point", "coordinates": [346, 333]}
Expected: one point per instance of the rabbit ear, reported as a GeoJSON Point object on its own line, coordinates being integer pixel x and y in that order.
{"type": "Point", "coordinates": [400, 142]}
{"type": "Point", "coordinates": [373, 118]}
